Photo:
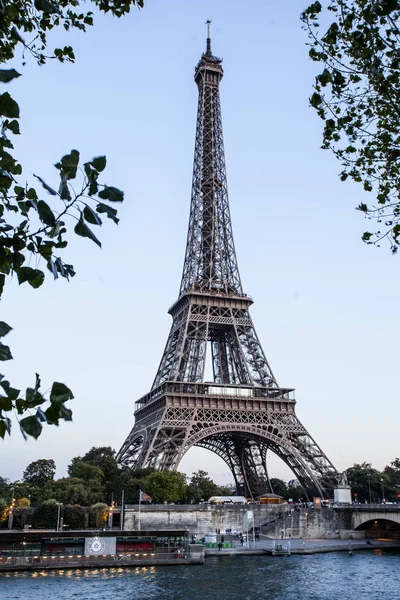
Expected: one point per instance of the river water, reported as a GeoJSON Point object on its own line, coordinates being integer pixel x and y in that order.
{"type": "Point", "coordinates": [365, 575]}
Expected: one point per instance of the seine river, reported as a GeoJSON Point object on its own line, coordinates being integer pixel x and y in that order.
{"type": "Point", "coordinates": [365, 575]}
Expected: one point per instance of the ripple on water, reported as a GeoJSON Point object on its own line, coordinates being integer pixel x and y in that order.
{"type": "Point", "coordinates": [364, 576]}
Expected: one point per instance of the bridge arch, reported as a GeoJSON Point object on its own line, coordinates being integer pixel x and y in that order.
{"type": "Point", "coordinates": [378, 524]}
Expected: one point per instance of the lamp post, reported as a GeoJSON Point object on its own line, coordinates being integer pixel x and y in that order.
{"type": "Point", "coordinates": [11, 510]}
{"type": "Point", "coordinates": [383, 493]}
{"type": "Point", "coordinates": [59, 505]}
{"type": "Point", "coordinates": [369, 486]}
{"type": "Point", "coordinates": [110, 515]}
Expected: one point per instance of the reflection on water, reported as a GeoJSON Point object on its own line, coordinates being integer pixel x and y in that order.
{"type": "Point", "coordinates": [364, 576]}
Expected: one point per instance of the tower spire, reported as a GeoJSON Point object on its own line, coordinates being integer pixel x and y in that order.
{"type": "Point", "coordinates": [208, 51]}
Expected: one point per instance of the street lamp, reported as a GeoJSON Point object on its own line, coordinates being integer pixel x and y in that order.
{"type": "Point", "coordinates": [11, 512]}
{"type": "Point", "coordinates": [369, 486]}
{"type": "Point", "coordinates": [59, 505]}
{"type": "Point", "coordinates": [110, 515]}
{"type": "Point", "coordinates": [383, 493]}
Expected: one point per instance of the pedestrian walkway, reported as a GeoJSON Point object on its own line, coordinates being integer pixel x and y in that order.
{"type": "Point", "coordinates": [304, 546]}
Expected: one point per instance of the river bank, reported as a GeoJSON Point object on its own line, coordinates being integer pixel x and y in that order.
{"type": "Point", "coordinates": [309, 546]}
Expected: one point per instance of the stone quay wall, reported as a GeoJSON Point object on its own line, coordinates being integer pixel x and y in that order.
{"type": "Point", "coordinates": [272, 521]}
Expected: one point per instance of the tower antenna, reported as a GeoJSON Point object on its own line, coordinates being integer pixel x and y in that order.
{"type": "Point", "coordinates": [208, 51]}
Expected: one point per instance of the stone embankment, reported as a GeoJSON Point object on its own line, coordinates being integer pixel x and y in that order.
{"type": "Point", "coordinates": [315, 546]}
{"type": "Point", "coordinates": [344, 522]}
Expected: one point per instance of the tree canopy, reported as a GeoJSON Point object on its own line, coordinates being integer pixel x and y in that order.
{"type": "Point", "coordinates": [357, 95]}
{"type": "Point", "coordinates": [35, 222]}
{"type": "Point", "coordinates": [39, 472]}
{"type": "Point", "coordinates": [201, 487]}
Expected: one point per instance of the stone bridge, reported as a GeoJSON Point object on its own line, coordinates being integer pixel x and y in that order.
{"type": "Point", "coordinates": [379, 520]}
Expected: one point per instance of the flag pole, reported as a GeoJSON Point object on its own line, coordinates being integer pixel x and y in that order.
{"type": "Point", "coordinates": [122, 516]}
{"type": "Point", "coordinates": [140, 497]}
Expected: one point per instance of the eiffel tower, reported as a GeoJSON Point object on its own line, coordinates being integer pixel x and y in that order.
{"type": "Point", "coordinates": [243, 412]}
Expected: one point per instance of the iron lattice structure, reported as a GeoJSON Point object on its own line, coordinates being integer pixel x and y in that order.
{"type": "Point", "coordinates": [243, 412]}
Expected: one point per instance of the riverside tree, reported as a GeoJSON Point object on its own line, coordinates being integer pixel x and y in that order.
{"type": "Point", "coordinates": [202, 487]}
{"type": "Point", "coordinates": [35, 222]}
{"type": "Point", "coordinates": [357, 95]}
{"type": "Point", "coordinates": [39, 472]}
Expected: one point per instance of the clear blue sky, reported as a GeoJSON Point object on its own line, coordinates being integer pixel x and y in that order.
{"type": "Point", "coordinates": [325, 304]}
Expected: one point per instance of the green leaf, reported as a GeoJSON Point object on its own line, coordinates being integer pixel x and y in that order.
{"type": "Point", "coordinates": [13, 393]}
{"type": "Point", "coordinates": [47, 7]}
{"type": "Point", "coordinates": [5, 425]}
{"type": "Point", "coordinates": [15, 34]}
{"type": "Point", "coordinates": [46, 214]}
{"type": "Point", "coordinates": [52, 413]}
{"type": "Point", "coordinates": [325, 77]}
{"type": "Point", "coordinates": [315, 100]}
{"type": "Point", "coordinates": [31, 426]}
{"type": "Point", "coordinates": [35, 277]}
{"type": "Point", "coordinates": [91, 216]}
{"type": "Point", "coordinates": [65, 413]}
{"type": "Point", "coordinates": [13, 126]}
{"type": "Point", "coordinates": [21, 406]}
{"type": "Point", "coordinates": [38, 280]}
{"type": "Point", "coordinates": [110, 212]}
{"type": "Point", "coordinates": [5, 352]}
{"type": "Point", "coordinates": [99, 163]}
{"type": "Point", "coordinates": [46, 187]}
{"type": "Point", "coordinates": [68, 165]}
{"type": "Point", "coordinates": [34, 398]}
{"type": "Point", "coordinates": [8, 106]}
{"type": "Point", "coordinates": [31, 193]}
{"type": "Point", "coordinates": [37, 382]}
{"type": "Point", "coordinates": [83, 230]}
{"type": "Point", "coordinates": [63, 190]}
{"type": "Point", "coordinates": [111, 193]}
{"type": "Point", "coordinates": [5, 385]}
{"type": "Point", "coordinates": [60, 393]}
{"type": "Point", "coordinates": [4, 329]}
{"type": "Point", "coordinates": [25, 274]}
{"type": "Point", "coordinates": [5, 403]}
{"type": "Point", "coordinates": [7, 75]}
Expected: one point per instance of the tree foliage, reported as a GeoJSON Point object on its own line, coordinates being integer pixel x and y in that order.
{"type": "Point", "coordinates": [102, 460]}
{"type": "Point", "coordinates": [88, 473]}
{"type": "Point", "coordinates": [279, 487]}
{"type": "Point", "coordinates": [74, 516]}
{"type": "Point", "coordinates": [22, 503]}
{"type": "Point", "coordinates": [98, 515]}
{"type": "Point", "coordinates": [201, 487]}
{"type": "Point", "coordinates": [3, 510]}
{"type": "Point", "coordinates": [357, 95]}
{"type": "Point", "coordinates": [35, 222]}
{"type": "Point", "coordinates": [366, 482]}
{"type": "Point", "coordinates": [39, 472]}
{"type": "Point", "coordinates": [45, 515]}
{"type": "Point", "coordinates": [166, 486]}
